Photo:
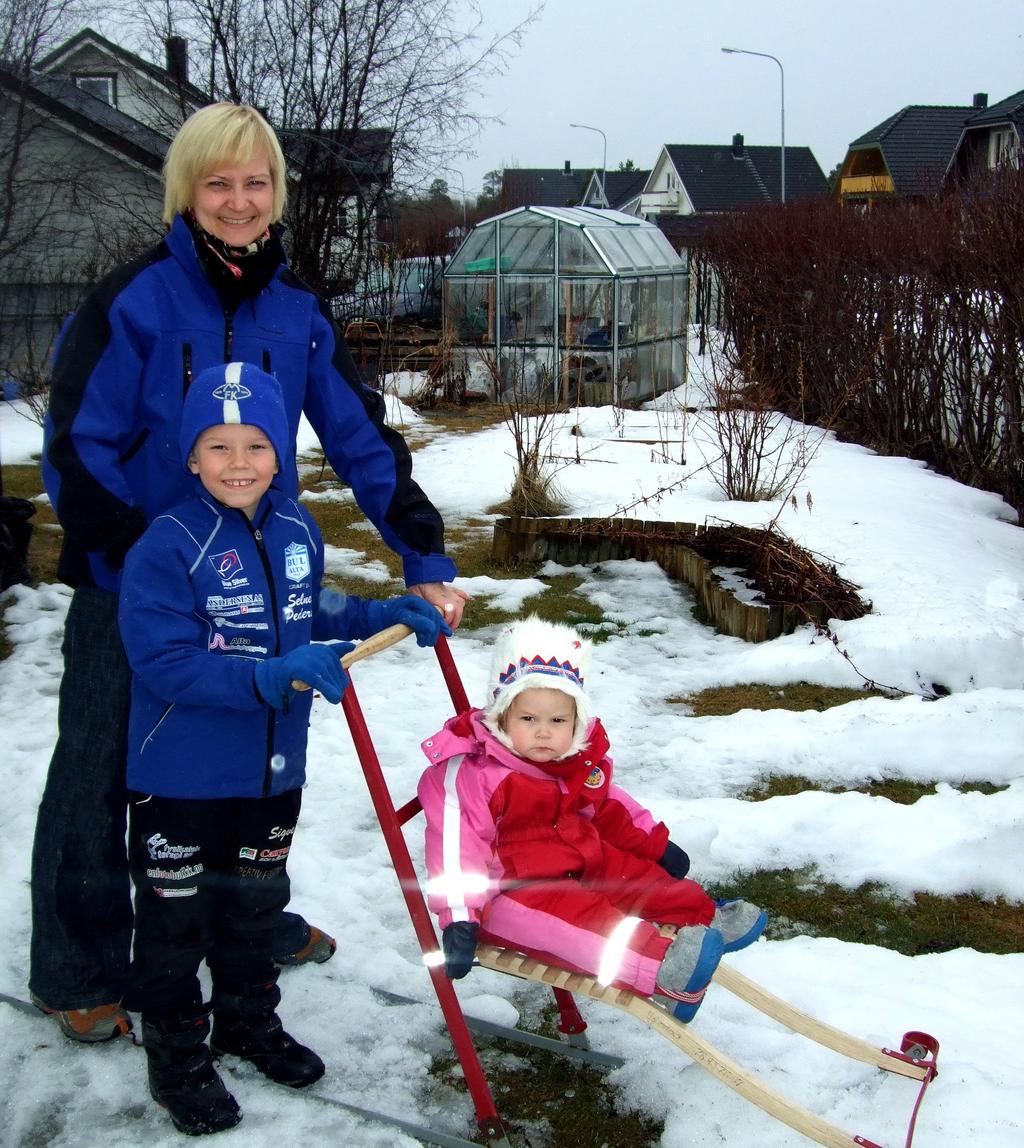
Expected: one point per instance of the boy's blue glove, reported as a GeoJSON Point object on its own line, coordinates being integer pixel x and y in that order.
{"type": "Point", "coordinates": [675, 862]}
{"type": "Point", "coordinates": [418, 614]}
{"type": "Point", "coordinates": [459, 944]}
{"type": "Point", "coordinates": [315, 664]}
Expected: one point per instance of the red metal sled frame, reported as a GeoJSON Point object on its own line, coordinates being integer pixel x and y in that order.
{"type": "Point", "coordinates": [391, 822]}
{"type": "Point", "coordinates": [918, 1051]}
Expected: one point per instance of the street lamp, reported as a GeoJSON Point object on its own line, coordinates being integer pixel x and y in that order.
{"type": "Point", "coordinates": [782, 83]}
{"type": "Point", "coordinates": [604, 156]}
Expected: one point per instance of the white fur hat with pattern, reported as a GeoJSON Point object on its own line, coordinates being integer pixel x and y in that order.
{"type": "Point", "coordinates": [534, 654]}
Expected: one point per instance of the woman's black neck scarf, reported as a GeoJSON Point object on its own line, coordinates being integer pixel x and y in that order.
{"type": "Point", "coordinates": [237, 273]}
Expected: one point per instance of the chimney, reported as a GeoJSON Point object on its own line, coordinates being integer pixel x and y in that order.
{"type": "Point", "coordinates": [980, 100]}
{"type": "Point", "coordinates": [177, 59]}
{"type": "Point", "coordinates": [737, 146]}
{"type": "Point", "coordinates": [568, 167]}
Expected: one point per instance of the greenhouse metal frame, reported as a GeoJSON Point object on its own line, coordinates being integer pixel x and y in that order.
{"type": "Point", "coordinates": [570, 304]}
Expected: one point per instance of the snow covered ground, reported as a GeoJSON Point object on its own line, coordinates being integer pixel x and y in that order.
{"type": "Point", "coordinates": [942, 565]}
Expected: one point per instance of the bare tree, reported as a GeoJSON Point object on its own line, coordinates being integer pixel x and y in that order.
{"type": "Point", "coordinates": [353, 88]}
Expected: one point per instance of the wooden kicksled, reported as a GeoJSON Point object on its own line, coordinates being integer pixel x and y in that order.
{"type": "Point", "coordinates": [915, 1059]}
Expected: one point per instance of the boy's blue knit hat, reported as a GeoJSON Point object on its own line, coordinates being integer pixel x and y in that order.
{"type": "Point", "coordinates": [234, 393]}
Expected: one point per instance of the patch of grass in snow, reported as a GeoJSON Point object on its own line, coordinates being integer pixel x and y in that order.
{"type": "Point", "coordinates": [901, 791]}
{"type": "Point", "coordinates": [23, 480]}
{"type": "Point", "coordinates": [343, 524]}
{"type": "Point", "coordinates": [799, 901]}
{"type": "Point", "coordinates": [464, 419]}
{"type": "Point", "coordinates": [547, 1099]}
{"type": "Point", "coordinates": [720, 701]}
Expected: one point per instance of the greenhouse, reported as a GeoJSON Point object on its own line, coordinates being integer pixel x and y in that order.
{"type": "Point", "coordinates": [569, 304]}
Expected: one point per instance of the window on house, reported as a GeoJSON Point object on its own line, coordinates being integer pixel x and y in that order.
{"type": "Point", "coordinates": [1002, 148]}
{"type": "Point", "coordinates": [103, 87]}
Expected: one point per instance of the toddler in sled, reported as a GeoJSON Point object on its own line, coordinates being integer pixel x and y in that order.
{"type": "Point", "coordinates": [531, 846]}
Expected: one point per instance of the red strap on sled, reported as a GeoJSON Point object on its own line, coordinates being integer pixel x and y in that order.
{"type": "Point", "coordinates": [914, 1049]}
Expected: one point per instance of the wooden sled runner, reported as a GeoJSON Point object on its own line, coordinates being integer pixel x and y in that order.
{"type": "Point", "coordinates": [913, 1060]}
{"type": "Point", "coordinates": [916, 1058]}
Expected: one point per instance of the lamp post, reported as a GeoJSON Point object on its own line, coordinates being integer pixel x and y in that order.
{"type": "Point", "coordinates": [782, 90]}
{"type": "Point", "coordinates": [604, 156]}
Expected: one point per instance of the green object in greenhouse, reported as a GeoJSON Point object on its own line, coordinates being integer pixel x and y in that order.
{"type": "Point", "coordinates": [483, 266]}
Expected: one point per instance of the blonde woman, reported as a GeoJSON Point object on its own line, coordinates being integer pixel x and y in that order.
{"type": "Point", "coordinates": [216, 288]}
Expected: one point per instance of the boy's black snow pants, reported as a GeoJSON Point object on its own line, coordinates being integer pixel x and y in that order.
{"type": "Point", "coordinates": [210, 883]}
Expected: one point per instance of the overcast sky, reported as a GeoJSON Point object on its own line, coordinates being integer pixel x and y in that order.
{"type": "Point", "coordinates": [652, 72]}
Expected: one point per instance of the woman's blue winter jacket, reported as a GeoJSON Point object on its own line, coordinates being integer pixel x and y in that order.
{"type": "Point", "coordinates": [123, 364]}
{"type": "Point", "coordinates": [206, 595]}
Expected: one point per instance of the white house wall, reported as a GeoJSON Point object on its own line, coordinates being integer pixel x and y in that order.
{"type": "Point", "coordinates": [79, 208]}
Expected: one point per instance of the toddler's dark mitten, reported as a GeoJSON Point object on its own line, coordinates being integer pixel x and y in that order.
{"type": "Point", "coordinates": [675, 862]}
{"type": "Point", "coordinates": [459, 943]}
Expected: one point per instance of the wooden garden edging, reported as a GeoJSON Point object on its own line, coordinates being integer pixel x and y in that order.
{"type": "Point", "coordinates": [684, 551]}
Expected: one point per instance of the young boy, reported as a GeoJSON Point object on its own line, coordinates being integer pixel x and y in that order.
{"type": "Point", "coordinates": [220, 613]}
{"type": "Point", "coordinates": [529, 844]}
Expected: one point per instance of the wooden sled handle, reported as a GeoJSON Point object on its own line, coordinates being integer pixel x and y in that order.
{"type": "Point", "coordinates": [382, 640]}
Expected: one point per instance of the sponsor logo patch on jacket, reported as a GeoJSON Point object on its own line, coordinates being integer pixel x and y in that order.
{"type": "Point", "coordinates": [234, 604]}
{"type": "Point", "coordinates": [160, 849]}
{"type": "Point", "coordinates": [227, 564]}
{"type": "Point", "coordinates": [296, 561]}
{"type": "Point", "coordinates": [298, 607]}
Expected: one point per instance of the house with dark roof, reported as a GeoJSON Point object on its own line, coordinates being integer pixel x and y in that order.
{"type": "Point", "coordinates": [991, 138]}
{"type": "Point", "coordinates": [160, 97]}
{"type": "Point", "coordinates": [923, 149]}
{"type": "Point", "coordinates": [621, 190]}
{"type": "Point", "coordinates": [906, 155]}
{"type": "Point", "coordinates": [541, 187]}
{"type": "Point", "coordinates": [566, 187]}
{"type": "Point", "coordinates": [691, 184]}
{"type": "Point", "coordinates": [701, 179]}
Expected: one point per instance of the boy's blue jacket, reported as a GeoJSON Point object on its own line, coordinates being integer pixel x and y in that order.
{"type": "Point", "coordinates": [111, 462]}
{"type": "Point", "coordinates": [206, 595]}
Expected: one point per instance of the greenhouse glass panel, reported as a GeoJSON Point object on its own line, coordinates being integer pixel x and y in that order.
{"type": "Point", "coordinates": [526, 309]}
{"type": "Point", "coordinates": [478, 245]}
{"type": "Point", "coordinates": [636, 256]}
{"type": "Point", "coordinates": [525, 373]}
{"type": "Point", "coordinates": [666, 295]}
{"type": "Point", "coordinates": [680, 292]}
{"type": "Point", "coordinates": [678, 360]}
{"type": "Point", "coordinates": [590, 313]}
{"type": "Point", "coordinates": [627, 371]}
{"type": "Point", "coordinates": [527, 247]}
{"type": "Point", "coordinates": [644, 372]}
{"type": "Point", "coordinates": [467, 310]}
{"type": "Point", "coordinates": [629, 304]}
{"type": "Point", "coordinates": [576, 255]}
{"type": "Point", "coordinates": [614, 251]}
{"type": "Point", "coordinates": [663, 379]}
{"type": "Point", "coordinates": [647, 307]}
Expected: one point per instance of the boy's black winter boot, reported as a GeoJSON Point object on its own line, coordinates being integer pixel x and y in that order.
{"type": "Point", "coordinates": [182, 1077]}
{"type": "Point", "coordinates": [246, 1025]}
